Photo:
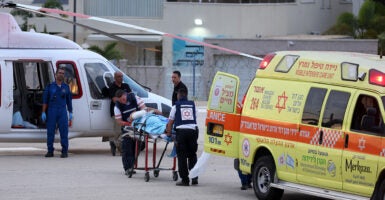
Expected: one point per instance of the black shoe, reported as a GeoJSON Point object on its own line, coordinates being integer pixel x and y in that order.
{"type": "Point", "coordinates": [194, 181]}
{"type": "Point", "coordinates": [49, 154]}
{"type": "Point", "coordinates": [181, 183]}
{"type": "Point", "coordinates": [129, 172]}
{"type": "Point", "coordinates": [244, 187]}
{"type": "Point", "coordinates": [64, 155]}
{"type": "Point", "coordinates": [249, 186]}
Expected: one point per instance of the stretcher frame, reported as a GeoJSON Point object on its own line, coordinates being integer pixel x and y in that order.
{"type": "Point", "coordinates": [140, 135]}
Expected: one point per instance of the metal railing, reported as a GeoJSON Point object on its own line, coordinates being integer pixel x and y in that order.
{"type": "Point", "coordinates": [125, 8]}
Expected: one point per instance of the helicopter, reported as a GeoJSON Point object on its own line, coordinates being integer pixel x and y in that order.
{"type": "Point", "coordinates": [28, 61]}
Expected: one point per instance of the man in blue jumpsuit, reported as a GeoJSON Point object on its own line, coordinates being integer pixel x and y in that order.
{"type": "Point", "coordinates": [183, 114]}
{"type": "Point", "coordinates": [57, 99]}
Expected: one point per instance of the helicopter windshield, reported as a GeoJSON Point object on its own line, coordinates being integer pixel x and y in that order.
{"type": "Point", "coordinates": [135, 87]}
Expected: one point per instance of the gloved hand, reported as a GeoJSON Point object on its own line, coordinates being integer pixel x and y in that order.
{"type": "Point", "coordinates": [70, 117]}
{"type": "Point", "coordinates": [43, 116]}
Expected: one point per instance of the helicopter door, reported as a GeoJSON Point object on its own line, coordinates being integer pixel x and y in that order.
{"type": "Point", "coordinates": [6, 98]}
{"type": "Point", "coordinates": [98, 100]}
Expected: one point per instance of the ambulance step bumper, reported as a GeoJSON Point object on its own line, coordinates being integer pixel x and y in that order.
{"type": "Point", "coordinates": [316, 191]}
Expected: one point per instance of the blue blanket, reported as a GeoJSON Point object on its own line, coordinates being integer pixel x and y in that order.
{"type": "Point", "coordinates": [151, 124]}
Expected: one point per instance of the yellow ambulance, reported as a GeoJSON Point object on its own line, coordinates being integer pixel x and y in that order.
{"type": "Point", "coordinates": [310, 121]}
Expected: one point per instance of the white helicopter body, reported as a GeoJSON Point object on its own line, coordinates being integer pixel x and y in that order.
{"type": "Point", "coordinates": [28, 61]}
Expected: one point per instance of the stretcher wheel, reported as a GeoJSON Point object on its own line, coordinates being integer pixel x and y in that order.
{"type": "Point", "coordinates": [156, 172]}
{"type": "Point", "coordinates": [174, 176]}
{"type": "Point", "coordinates": [147, 177]}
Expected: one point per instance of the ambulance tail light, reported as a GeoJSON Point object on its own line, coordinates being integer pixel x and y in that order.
{"type": "Point", "coordinates": [266, 60]}
{"type": "Point", "coordinates": [376, 77]}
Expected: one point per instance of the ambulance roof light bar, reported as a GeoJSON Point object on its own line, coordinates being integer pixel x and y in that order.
{"type": "Point", "coordinates": [266, 60]}
{"type": "Point", "coordinates": [376, 77]}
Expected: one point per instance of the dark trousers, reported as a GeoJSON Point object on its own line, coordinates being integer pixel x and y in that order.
{"type": "Point", "coordinates": [128, 153]}
{"type": "Point", "coordinates": [245, 178]}
{"type": "Point", "coordinates": [186, 149]}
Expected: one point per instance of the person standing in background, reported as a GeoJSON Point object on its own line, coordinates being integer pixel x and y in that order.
{"type": "Point", "coordinates": [114, 87]}
{"type": "Point", "coordinates": [57, 99]}
{"type": "Point", "coordinates": [178, 84]}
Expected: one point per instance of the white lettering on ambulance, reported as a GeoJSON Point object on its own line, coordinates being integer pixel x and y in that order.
{"type": "Point", "coordinates": [217, 116]}
{"type": "Point", "coordinates": [268, 128]}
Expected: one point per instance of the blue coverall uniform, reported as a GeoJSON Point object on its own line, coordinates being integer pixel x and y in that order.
{"type": "Point", "coordinates": [58, 99]}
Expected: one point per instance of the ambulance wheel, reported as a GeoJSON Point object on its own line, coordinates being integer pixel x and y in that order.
{"type": "Point", "coordinates": [147, 177]}
{"type": "Point", "coordinates": [174, 176]}
{"type": "Point", "coordinates": [156, 172]}
{"type": "Point", "coordinates": [380, 192]}
{"type": "Point", "coordinates": [263, 176]}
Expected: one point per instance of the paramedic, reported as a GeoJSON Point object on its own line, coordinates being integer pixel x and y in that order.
{"type": "Point", "coordinates": [115, 86]}
{"type": "Point", "coordinates": [183, 114]}
{"type": "Point", "coordinates": [124, 106]}
{"type": "Point", "coordinates": [57, 99]}
{"type": "Point", "coordinates": [178, 84]}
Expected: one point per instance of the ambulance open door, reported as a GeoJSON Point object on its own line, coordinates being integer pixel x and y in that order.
{"type": "Point", "coordinates": [222, 121]}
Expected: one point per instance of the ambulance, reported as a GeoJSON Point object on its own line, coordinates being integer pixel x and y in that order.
{"type": "Point", "coordinates": [310, 122]}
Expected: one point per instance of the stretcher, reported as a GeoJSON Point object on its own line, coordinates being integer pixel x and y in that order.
{"type": "Point", "coordinates": [147, 129]}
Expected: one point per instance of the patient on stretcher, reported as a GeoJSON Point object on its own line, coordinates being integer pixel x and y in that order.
{"type": "Point", "coordinates": [151, 124]}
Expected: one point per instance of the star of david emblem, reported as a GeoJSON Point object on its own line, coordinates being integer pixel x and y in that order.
{"type": "Point", "coordinates": [281, 104]}
{"type": "Point", "coordinates": [361, 143]}
{"type": "Point", "coordinates": [228, 139]}
{"type": "Point", "coordinates": [186, 113]}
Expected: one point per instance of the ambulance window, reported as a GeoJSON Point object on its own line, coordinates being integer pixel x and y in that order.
{"type": "Point", "coordinates": [96, 83]}
{"type": "Point", "coordinates": [313, 105]}
{"type": "Point", "coordinates": [71, 77]}
{"type": "Point", "coordinates": [367, 116]}
{"type": "Point", "coordinates": [286, 63]}
{"type": "Point", "coordinates": [335, 109]}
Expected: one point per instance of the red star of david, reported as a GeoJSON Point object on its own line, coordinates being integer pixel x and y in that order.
{"type": "Point", "coordinates": [281, 105]}
{"type": "Point", "coordinates": [186, 113]}
{"type": "Point", "coordinates": [228, 139]}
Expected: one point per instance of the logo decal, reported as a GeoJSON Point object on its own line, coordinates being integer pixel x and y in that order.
{"type": "Point", "coordinates": [228, 139]}
{"type": "Point", "coordinates": [332, 168]}
{"type": "Point", "coordinates": [246, 148]}
{"type": "Point", "coordinates": [187, 114]}
{"type": "Point", "coordinates": [361, 143]}
{"type": "Point", "coordinates": [281, 105]}
{"type": "Point", "coordinates": [290, 161]}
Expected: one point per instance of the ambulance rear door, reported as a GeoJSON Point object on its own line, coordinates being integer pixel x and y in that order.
{"type": "Point", "coordinates": [222, 121]}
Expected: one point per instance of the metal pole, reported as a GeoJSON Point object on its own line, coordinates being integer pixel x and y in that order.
{"type": "Point", "coordinates": [74, 26]}
{"type": "Point", "coordinates": [194, 74]}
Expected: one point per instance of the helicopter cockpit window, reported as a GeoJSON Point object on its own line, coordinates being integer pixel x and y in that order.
{"type": "Point", "coordinates": [95, 77]}
{"type": "Point", "coordinates": [71, 77]}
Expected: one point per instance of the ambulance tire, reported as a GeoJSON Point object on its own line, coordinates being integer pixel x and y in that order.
{"type": "Point", "coordinates": [380, 192]}
{"type": "Point", "coordinates": [263, 175]}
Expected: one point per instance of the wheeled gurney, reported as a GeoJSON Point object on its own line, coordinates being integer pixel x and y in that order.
{"type": "Point", "coordinates": [146, 129]}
